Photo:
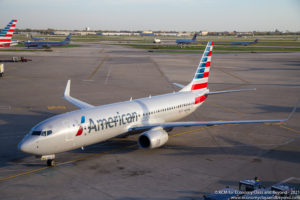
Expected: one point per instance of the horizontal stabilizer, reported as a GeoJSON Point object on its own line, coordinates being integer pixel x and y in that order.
{"type": "Point", "coordinates": [179, 85]}
{"type": "Point", "coordinates": [74, 101]}
{"type": "Point", "coordinates": [230, 91]}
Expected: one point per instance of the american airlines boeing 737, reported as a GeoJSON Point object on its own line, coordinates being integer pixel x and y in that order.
{"type": "Point", "coordinates": [152, 116]}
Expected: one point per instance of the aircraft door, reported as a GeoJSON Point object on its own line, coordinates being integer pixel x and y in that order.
{"type": "Point", "coordinates": [69, 135]}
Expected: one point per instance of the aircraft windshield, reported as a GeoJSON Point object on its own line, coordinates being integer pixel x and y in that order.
{"type": "Point", "coordinates": [42, 133]}
{"type": "Point", "coordinates": [36, 132]}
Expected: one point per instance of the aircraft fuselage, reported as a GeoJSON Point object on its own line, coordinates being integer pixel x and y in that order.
{"type": "Point", "coordinates": [80, 128]}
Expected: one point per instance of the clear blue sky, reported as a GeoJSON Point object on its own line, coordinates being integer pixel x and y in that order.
{"type": "Point", "coordinates": [178, 15]}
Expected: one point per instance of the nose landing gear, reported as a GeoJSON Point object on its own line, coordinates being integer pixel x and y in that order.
{"type": "Point", "coordinates": [51, 163]}
{"type": "Point", "coordinates": [49, 159]}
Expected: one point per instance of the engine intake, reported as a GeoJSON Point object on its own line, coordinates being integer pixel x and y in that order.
{"type": "Point", "coordinates": [153, 138]}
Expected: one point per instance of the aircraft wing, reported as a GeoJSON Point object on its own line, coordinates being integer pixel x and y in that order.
{"type": "Point", "coordinates": [74, 101]}
{"type": "Point", "coordinates": [210, 123]}
{"type": "Point", "coordinates": [201, 123]}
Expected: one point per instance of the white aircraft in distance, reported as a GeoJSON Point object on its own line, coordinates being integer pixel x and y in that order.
{"type": "Point", "coordinates": [152, 115]}
{"type": "Point", "coordinates": [156, 40]}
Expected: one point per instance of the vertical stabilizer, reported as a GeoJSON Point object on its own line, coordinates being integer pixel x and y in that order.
{"type": "Point", "coordinates": [7, 33]}
{"type": "Point", "coordinates": [195, 36]}
{"type": "Point", "coordinates": [201, 76]}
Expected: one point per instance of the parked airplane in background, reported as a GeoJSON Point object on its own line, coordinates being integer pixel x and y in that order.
{"type": "Point", "coordinates": [244, 43]}
{"type": "Point", "coordinates": [182, 42]}
{"type": "Point", "coordinates": [37, 38]}
{"type": "Point", "coordinates": [156, 40]}
{"type": "Point", "coordinates": [7, 33]}
{"type": "Point", "coordinates": [48, 44]}
{"type": "Point", "coordinates": [152, 115]}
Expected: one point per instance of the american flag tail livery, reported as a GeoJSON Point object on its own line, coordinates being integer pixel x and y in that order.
{"type": "Point", "coordinates": [7, 33]}
{"type": "Point", "coordinates": [201, 76]}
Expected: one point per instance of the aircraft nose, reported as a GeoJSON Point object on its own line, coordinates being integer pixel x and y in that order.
{"type": "Point", "coordinates": [23, 146]}
{"type": "Point", "coordinates": [26, 146]}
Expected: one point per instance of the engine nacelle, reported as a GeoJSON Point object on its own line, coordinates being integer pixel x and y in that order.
{"type": "Point", "coordinates": [153, 138]}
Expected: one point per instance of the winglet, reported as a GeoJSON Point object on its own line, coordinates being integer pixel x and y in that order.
{"type": "Point", "coordinates": [74, 101]}
{"type": "Point", "coordinates": [293, 111]}
{"type": "Point", "coordinates": [67, 90]}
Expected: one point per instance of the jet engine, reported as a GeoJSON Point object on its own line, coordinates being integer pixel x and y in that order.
{"type": "Point", "coordinates": [153, 138]}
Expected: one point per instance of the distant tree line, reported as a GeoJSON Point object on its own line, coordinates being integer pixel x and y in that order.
{"type": "Point", "coordinates": [224, 33]}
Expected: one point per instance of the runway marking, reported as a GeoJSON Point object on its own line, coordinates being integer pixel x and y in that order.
{"type": "Point", "coordinates": [107, 76]}
{"type": "Point", "coordinates": [97, 68]}
{"type": "Point", "coordinates": [191, 131]}
{"type": "Point", "coordinates": [282, 126]}
{"type": "Point", "coordinates": [57, 107]}
{"type": "Point", "coordinates": [21, 108]}
{"type": "Point", "coordinates": [232, 75]}
{"type": "Point", "coordinates": [162, 73]}
{"type": "Point", "coordinates": [290, 129]}
{"type": "Point", "coordinates": [5, 107]}
{"type": "Point", "coordinates": [24, 173]}
{"type": "Point", "coordinates": [224, 108]}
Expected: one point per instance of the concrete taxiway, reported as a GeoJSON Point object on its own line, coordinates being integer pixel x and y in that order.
{"type": "Point", "coordinates": [195, 161]}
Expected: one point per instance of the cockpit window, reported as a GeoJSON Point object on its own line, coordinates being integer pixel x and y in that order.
{"type": "Point", "coordinates": [36, 132]}
{"type": "Point", "coordinates": [49, 132]}
{"type": "Point", "coordinates": [42, 133]}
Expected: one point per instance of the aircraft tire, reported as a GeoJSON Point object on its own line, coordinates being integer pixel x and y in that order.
{"type": "Point", "coordinates": [50, 163]}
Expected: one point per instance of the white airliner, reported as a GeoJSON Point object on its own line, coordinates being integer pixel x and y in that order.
{"type": "Point", "coordinates": [153, 115]}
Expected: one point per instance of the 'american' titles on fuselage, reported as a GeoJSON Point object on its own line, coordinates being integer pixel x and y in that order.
{"type": "Point", "coordinates": [111, 122]}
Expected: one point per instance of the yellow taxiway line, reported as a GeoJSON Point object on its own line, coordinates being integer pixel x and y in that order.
{"type": "Point", "coordinates": [90, 156]}
{"type": "Point", "coordinates": [290, 129]}
{"type": "Point", "coordinates": [24, 173]}
{"type": "Point", "coordinates": [97, 68]}
{"type": "Point", "coordinates": [56, 107]}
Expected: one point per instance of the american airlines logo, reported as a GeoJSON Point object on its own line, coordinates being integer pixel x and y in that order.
{"type": "Point", "coordinates": [110, 122]}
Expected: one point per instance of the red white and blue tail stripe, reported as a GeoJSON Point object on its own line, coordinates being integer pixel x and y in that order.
{"type": "Point", "coordinates": [201, 76]}
{"type": "Point", "coordinates": [202, 73]}
{"type": "Point", "coordinates": [7, 33]}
